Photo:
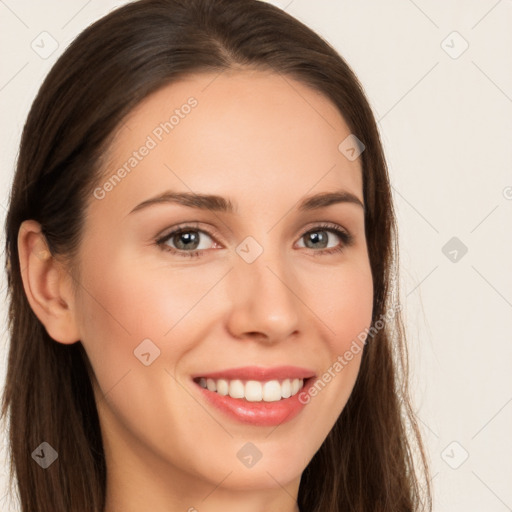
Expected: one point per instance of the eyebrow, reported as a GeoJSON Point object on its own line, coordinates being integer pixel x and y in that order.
{"type": "Point", "coordinates": [221, 204]}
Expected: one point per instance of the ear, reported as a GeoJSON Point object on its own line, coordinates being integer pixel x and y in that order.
{"type": "Point", "coordinates": [47, 284]}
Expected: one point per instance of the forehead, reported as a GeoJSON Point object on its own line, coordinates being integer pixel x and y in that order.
{"type": "Point", "coordinates": [232, 131]}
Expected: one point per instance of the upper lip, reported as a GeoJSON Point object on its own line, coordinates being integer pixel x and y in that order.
{"type": "Point", "coordinates": [259, 373]}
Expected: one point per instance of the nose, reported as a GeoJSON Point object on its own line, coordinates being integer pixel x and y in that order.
{"type": "Point", "coordinates": [266, 303]}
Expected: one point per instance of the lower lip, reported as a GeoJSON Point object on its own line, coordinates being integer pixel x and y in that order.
{"type": "Point", "coordinates": [262, 414]}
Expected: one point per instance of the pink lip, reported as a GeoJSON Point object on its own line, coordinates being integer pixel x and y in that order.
{"type": "Point", "coordinates": [259, 373]}
{"type": "Point", "coordinates": [264, 414]}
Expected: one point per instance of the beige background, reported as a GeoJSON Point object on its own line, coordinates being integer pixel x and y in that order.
{"type": "Point", "coordinates": [446, 120]}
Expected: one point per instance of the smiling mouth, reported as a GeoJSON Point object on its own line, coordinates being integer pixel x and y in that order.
{"type": "Point", "coordinates": [253, 390]}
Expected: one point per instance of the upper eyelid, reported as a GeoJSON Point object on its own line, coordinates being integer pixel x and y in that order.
{"type": "Point", "coordinates": [211, 232]}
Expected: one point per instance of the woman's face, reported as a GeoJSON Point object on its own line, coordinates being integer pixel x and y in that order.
{"type": "Point", "coordinates": [256, 288]}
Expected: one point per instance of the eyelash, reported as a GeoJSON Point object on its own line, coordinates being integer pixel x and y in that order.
{"type": "Point", "coordinates": [346, 238]}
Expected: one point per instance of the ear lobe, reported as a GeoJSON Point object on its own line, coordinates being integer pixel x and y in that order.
{"type": "Point", "coordinates": [47, 284]}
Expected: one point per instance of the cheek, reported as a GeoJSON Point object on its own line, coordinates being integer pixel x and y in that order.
{"type": "Point", "coordinates": [343, 304]}
{"type": "Point", "coordinates": [123, 303]}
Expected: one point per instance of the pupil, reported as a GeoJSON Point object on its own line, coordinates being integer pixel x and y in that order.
{"type": "Point", "coordinates": [318, 236]}
{"type": "Point", "coordinates": [188, 238]}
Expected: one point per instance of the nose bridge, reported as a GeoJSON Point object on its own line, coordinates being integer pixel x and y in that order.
{"type": "Point", "coordinates": [264, 299]}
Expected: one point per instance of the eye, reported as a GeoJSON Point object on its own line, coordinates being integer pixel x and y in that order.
{"type": "Point", "coordinates": [323, 239]}
{"type": "Point", "coordinates": [186, 241]}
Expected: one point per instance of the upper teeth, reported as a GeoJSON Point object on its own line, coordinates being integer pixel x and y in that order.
{"type": "Point", "coordinates": [253, 390]}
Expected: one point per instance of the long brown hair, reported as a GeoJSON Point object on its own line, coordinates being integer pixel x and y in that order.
{"type": "Point", "coordinates": [373, 458]}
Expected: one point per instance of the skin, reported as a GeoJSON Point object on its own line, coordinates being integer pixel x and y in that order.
{"type": "Point", "coordinates": [265, 142]}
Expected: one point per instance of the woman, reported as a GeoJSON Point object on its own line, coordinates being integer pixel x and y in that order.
{"type": "Point", "coordinates": [200, 262]}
